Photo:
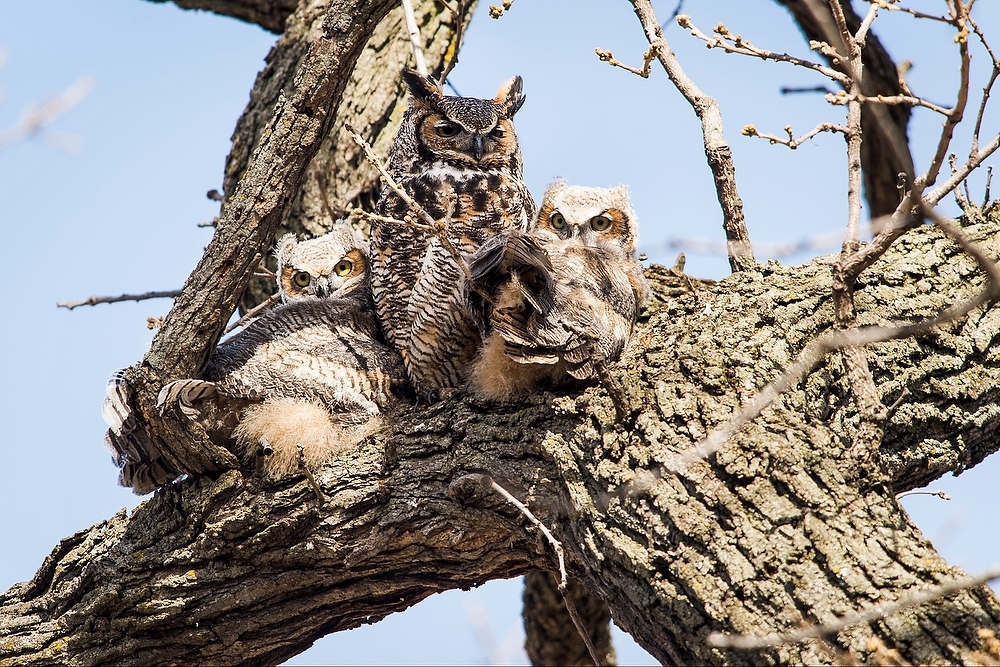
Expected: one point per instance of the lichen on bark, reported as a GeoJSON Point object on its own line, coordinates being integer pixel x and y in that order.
{"type": "Point", "coordinates": [774, 531]}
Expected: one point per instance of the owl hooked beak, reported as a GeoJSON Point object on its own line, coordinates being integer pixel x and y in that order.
{"type": "Point", "coordinates": [477, 147]}
{"type": "Point", "coordinates": [323, 287]}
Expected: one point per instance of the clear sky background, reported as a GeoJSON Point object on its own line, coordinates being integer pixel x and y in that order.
{"type": "Point", "coordinates": [120, 213]}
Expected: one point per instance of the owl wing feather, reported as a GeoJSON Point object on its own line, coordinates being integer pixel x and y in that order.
{"type": "Point", "coordinates": [132, 450]}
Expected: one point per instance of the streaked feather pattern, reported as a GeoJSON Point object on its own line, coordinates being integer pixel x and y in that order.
{"type": "Point", "coordinates": [457, 158]}
{"type": "Point", "coordinates": [554, 301]}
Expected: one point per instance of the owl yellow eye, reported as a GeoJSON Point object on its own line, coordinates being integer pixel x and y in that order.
{"type": "Point", "coordinates": [301, 278]}
{"type": "Point", "coordinates": [446, 129]}
{"type": "Point", "coordinates": [557, 220]}
{"type": "Point", "coordinates": [343, 267]}
{"type": "Point", "coordinates": [600, 223]}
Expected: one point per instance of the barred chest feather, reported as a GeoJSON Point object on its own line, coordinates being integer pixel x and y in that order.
{"type": "Point", "coordinates": [475, 204]}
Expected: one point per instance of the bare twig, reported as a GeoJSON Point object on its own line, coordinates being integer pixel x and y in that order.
{"type": "Point", "coordinates": [917, 14]}
{"type": "Point", "coordinates": [647, 60]}
{"type": "Point", "coordinates": [791, 141]}
{"type": "Point", "coordinates": [958, 111]}
{"type": "Point", "coordinates": [489, 482]}
{"type": "Point", "coordinates": [414, 33]}
{"type": "Point", "coordinates": [939, 494]}
{"type": "Point", "coordinates": [458, 16]}
{"type": "Point", "coordinates": [254, 312]}
{"type": "Point", "coordinates": [842, 97]}
{"type": "Point", "coordinates": [94, 300]}
{"type": "Point", "coordinates": [580, 627]}
{"type": "Point", "coordinates": [717, 150]}
{"type": "Point", "coordinates": [792, 90]}
{"type": "Point", "coordinates": [722, 640]}
{"type": "Point", "coordinates": [986, 89]}
{"type": "Point", "coordinates": [729, 43]}
{"type": "Point", "coordinates": [941, 191]}
{"type": "Point", "coordinates": [309, 475]}
{"type": "Point", "coordinates": [36, 119]}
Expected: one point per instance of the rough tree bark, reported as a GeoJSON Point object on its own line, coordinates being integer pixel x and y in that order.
{"type": "Point", "coordinates": [268, 14]}
{"type": "Point", "coordinates": [883, 126]}
{"type": "Point", "coordinates": [771, 532]}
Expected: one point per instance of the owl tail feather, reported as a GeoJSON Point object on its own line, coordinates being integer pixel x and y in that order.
{"type": "Point", "coordinates": [185, 394]}
{"type": "Point", "coordinates": [131, 448]}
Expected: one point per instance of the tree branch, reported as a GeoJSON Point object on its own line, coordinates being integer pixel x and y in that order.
{"type": "Point", "coordinates": [717, 150]}
{"type": "Point", "coordinates": [268, 14]}
{"type": "Point", "coordinates": [773, 532]}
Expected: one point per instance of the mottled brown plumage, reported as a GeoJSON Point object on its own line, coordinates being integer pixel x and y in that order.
{"type": "Point", "coordinates": [313, 372]}
{"type": "Point", "coordinates": [316, 352]}
{"type": "Point", "coordinates": [459, 159]}
{"type": "Point", "coordinates": [553, 302]}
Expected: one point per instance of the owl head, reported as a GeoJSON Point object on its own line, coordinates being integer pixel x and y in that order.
{"type": "Point", "coordinates": [595, 217]}
{"type": "Point", "coordinates": [461, 131]}
{"type": "Point", "coordinates": [332, 265]}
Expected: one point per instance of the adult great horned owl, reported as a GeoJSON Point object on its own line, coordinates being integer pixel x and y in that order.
{"type": "Point", "coordinates": [312, 372]}
{"type": "Point", "coordinates": [459, 159]}
{"type": "Point", "coordinates": [564, 293]}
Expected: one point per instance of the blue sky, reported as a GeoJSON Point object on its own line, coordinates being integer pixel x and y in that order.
{"type": "Point", "coordinates": [120, 214]}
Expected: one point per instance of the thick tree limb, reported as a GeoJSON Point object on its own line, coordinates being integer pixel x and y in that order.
{"type": "Point", "coordinates": [268, 14]}
{"type": "Point", "coordinates": [551, 638]}
{"type": "Point", "coordinates": [774, 532]}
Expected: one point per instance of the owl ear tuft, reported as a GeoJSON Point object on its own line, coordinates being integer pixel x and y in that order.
{"type": "Point", "coordinates": [509, 97]}
{"type": "Point", "coordinates": [284, 247]}
{"type": "Point", "coordinates": [421, 87]}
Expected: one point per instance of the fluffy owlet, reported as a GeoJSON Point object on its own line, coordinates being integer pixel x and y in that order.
{"type": "Point", "coordinates": [335, 264]}
{"type": "Point", "coordinates": [556, 300]}
{"type": "Point", "coordinates": [459, 159]}
{"type": "Point", "coordinates": [312, 372]}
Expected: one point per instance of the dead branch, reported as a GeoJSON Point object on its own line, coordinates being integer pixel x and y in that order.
{"type": "Point", "coordinates": [94, 300]}
{"type": "Point", "coordinates": [488, 482]}
{"type": "Point", "coordinates": [717, 150]}
{"type": "Point", "coordinates": [918, 492]}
